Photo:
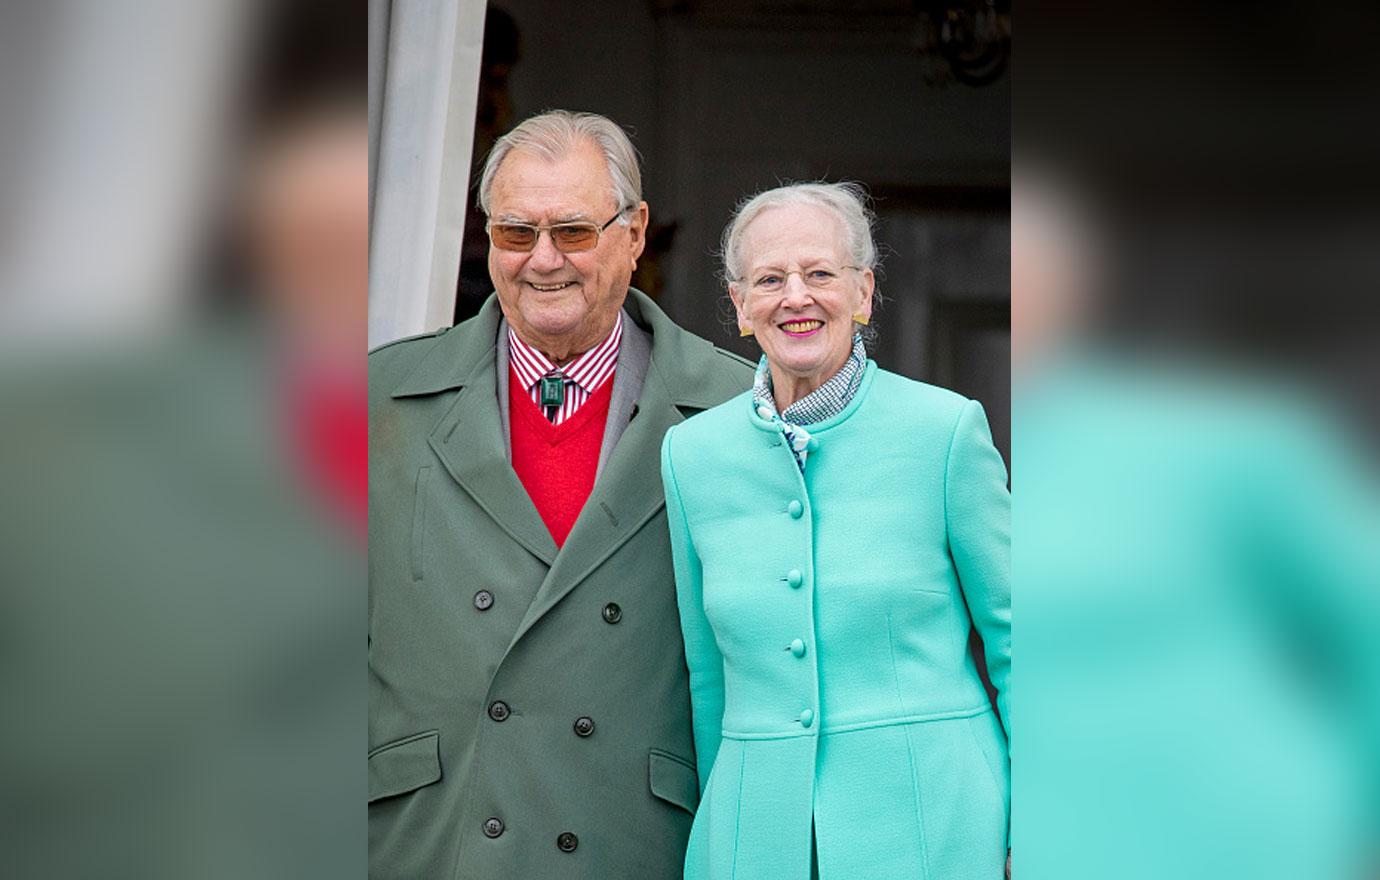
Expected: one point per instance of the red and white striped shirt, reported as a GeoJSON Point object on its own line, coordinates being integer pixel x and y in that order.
{"type": "Point", "coordinates": [583, 376]}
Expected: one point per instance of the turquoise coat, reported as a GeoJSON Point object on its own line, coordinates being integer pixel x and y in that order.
{"type": "Point", "coordinates": [826, 619]}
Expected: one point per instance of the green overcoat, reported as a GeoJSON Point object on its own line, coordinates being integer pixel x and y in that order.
{"type": "Point", "coordinates": [529, 715]}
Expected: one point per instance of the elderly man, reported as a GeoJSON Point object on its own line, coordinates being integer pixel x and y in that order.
{"type": "Point", "coordinates": [529, 712]}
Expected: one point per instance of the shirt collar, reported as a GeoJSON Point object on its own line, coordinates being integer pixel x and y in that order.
{"type": "Point", "coordinates": [588, 371]}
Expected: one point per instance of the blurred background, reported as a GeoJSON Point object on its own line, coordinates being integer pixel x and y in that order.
{"type": "Point", "coordinates": [183, 287]}
{"type": "Point", "coordinates": [1196, 509]}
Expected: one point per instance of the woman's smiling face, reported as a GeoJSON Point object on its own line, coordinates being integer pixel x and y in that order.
{"type": "Point", "coordinates": [798, 292]}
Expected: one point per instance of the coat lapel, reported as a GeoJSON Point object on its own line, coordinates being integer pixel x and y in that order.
{"type": "Point", "coordinates": [469, 439]}
{"type": "Point", "coordinates": [626, 495]}
{"type": "Point", "coordinates": [469, 442]}
{"type": "Point", "coordinates": [684, 377]}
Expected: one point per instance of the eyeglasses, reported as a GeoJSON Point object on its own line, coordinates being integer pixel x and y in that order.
{"type": "Point", "coordinates": [821, 277]}
{"type": "Point", "coordinates": [569, 238]}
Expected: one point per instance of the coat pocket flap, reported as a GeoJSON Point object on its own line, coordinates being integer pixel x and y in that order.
{"type": "Point", "coordinates": [404, 765]}
{"type": "Point", "coordinates": [674, 780]}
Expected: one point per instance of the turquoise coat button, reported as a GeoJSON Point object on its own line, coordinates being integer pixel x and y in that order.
{"type": "Point", "coordinates": [807, 717]}
{"type": "Point", "coordinates": [797, 647]}
{"type": "Point", "coordinates": [795, 509]}
{"type": "Point", "coordinates": [795, 578]}
{"type": "Point", "coordinates": [812, 445]}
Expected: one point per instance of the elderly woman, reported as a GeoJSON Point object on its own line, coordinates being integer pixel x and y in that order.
{"type": "Point", "coordinates": [837, 533]}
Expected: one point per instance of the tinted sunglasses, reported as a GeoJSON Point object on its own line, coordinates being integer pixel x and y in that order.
{"type": "Point", "coordinates": [568, 238]}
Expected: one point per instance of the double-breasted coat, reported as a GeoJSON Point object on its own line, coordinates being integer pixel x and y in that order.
{"type": "Point", "coordinates": [528, 707]}
{"type": "Point", "coordinates": [826, 619]}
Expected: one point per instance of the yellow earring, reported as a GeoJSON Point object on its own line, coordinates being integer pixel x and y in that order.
{"type": "Point", "coordinates": [745, 331]}
{"type": "Point", "coordinates": [860, 318]}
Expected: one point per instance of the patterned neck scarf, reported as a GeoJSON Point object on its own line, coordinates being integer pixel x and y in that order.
{"type": "Point", "coordinates": [825, 402]}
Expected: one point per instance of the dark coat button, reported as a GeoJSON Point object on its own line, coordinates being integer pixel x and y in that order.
{"type": "Point", "coordinates": [584, 725]}
{"type": "Point", "coordinates": [612, 613]}
{"type": "Point", "coordinates": [493, 827]}
{"type": "Point", "coordinates": [498, 710]}
{"type": "Point", "coordinates": [567, 841]}
{"type": "Point", "coordinates": [483, 600]}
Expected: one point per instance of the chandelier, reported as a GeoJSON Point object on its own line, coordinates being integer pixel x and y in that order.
{"type": "Point", "coordinates": [968, 41]}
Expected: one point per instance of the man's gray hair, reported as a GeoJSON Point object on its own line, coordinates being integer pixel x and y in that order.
{"type": "Point", "coordinates": [847, 201]}
{"type": "Point", "coordinates": [553, 135]}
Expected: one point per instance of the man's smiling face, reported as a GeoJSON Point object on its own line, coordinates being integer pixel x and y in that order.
{"type": "Point", "coordinates": [563, 304]}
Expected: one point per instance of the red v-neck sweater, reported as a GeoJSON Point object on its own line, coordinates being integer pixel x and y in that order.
{"type": "Point", "coordinates": [557, 463]}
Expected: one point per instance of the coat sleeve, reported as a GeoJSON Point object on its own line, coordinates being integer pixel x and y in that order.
{"type": "Point", "coordinates": [978, 513]}
{"type": "Point", "coordinates": [702, 655]}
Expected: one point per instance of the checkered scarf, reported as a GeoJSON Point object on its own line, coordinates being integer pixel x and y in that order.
{"type": "Point", "coordinates": [826, 401]}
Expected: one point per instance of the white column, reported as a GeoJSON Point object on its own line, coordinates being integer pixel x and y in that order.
{"type": "Point", "coordinates": [422, 143]}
